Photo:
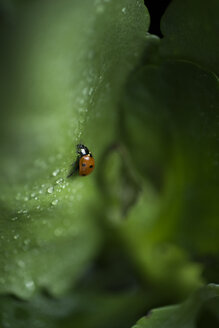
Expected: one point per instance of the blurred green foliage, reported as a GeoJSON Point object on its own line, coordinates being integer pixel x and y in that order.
{"type": "Point", "coordinates": [142, 230]}
{"type": "Point", "coordinates": [185, 315]}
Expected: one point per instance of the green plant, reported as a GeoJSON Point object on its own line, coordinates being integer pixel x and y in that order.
{"type": "Point", "coordinates": [142, 230]}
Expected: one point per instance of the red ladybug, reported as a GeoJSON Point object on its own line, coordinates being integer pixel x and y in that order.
{"type": "Point", "coordinates": [86, 160]}
{"type": "Point", "coordinates": [85, 163]}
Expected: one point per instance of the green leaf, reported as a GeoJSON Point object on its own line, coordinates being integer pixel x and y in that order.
{"type": "Point", "coordinates": [75, 309]}
{"type": "Point", "coordinates": [183, 315]}
{"type": "Point", "coordinates": [64, 65]}
{"type": "Point", "coordinates": [170, 129]}
{"type": "Point", "coordinates": [190, 29]}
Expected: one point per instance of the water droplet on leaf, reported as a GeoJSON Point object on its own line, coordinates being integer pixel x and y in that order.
{"type": "Point", "coordinates": [50, 190]}
{"type": "Point", "coordinates": [16, 237]}
{"type": "Point", "coordinates": [55, 202]}
{"type": "Point", "coordinates": [30, 285]}
{"type": "Point", "coordinates": [55, 173]}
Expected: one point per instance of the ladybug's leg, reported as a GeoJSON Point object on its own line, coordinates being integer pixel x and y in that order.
{"type": "Point", "coordinates": [75, 168]}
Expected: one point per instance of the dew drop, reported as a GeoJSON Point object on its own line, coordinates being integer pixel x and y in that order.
{"type": "Point", "coordinates": [59, 181]}
{"type": "Point", "coordinates": [50, 190]}
{"type": "Point", "coordinates": [124, 10]}
{"type": "Point", "coordinates": [55, 173]}
{"type": "Point", "coordinates": [16, 237]}
{"type": "Point", "coordinates": [55, 202]}
{"type": "Point", "coordinates": [30, 285]}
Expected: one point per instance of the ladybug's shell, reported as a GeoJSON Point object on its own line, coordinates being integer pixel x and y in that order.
{"type": "Point", "coordinates": [86, 165]}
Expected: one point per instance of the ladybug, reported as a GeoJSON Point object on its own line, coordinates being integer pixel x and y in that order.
{"type": "Point", "coordinates": [85, 163]}
{"type": "Point", "coordinates": [86, 160]}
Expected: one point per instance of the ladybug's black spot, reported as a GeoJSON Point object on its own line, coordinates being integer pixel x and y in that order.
{"type": "Point", "coordinates": [91, 166]}
{"type": "Point", "coordinates": [83, 164]}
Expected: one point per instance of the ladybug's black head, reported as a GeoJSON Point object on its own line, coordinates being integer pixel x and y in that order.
{"type": "Point", "coordinates": [82, 150]}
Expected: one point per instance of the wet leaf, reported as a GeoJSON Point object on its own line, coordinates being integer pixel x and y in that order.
{"type": "Point", "coordinates": [61, 88]}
